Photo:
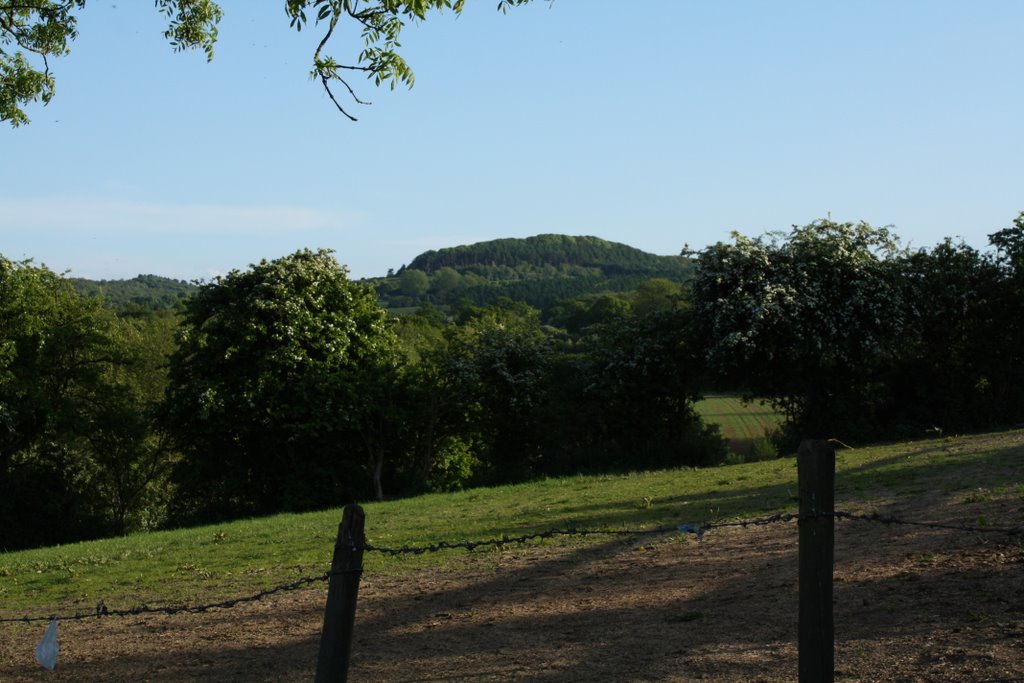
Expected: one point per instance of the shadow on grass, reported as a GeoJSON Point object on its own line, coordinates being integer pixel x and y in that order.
{"type": "Point", "coordinates": [724, 609]}
{"type": "Point", "coordinates": [947, 469]}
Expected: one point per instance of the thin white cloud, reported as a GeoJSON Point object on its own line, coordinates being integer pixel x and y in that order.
{"type": "Point", "coordinates": [80, 215]}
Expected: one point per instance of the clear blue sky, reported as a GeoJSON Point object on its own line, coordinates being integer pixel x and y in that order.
{"type": "Point", "coordinates": [657, 123]}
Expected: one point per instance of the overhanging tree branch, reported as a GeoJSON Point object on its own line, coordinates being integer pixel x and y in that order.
{"type": "Point", "coordinates": [46, 27]}
{"type": "Point", "coordinates": [327, 70]}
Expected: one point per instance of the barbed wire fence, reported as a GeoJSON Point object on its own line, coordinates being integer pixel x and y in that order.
{"type": "Point", "coordinates": [103, 611]}
{"type": "Point", "coordinates": [697, 530]}
{"type": "Point", "coordinates": [351, 544]}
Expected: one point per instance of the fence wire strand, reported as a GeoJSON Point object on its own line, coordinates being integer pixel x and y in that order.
{"type": "Point", "coordinates": [103, 611]}
{"type": "Point", "coordinates": [890, 521]}
{"type": "Point", "coordinates": [698, 530]}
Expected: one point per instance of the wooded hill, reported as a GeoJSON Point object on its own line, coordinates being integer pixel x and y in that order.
{"type": "Point", "coordinates": [147, 292]}
{"type": "Point", "coordinates": [536, 270]}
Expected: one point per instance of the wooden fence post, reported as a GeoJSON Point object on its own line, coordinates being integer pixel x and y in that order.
{"type": "Point", "coordinates": [816, 468]}
{"type": "Point", "coordinates": [342, 591]}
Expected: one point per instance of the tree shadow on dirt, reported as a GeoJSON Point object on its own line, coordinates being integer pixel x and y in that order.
{"type": "Point", "coordinates": [723, 609]}
{"type": "Point", "coordinates": [720, 617]}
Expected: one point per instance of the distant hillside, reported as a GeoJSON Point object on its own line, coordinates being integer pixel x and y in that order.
{"type": "Point", "coordinates": [538, 270]}
{"type": "Point", "coordinates": [142, 291]}
{"type": "Point", "coordinates": [545, 250]}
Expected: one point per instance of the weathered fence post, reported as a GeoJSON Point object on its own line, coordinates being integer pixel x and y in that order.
{"type": "Point", "coordinates": [816, 471]}
{"type": "Point", "coordinates": [343, 588]}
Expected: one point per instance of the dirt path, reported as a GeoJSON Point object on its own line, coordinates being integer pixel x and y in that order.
{"type": "Point", "coordinates": [911, 605]}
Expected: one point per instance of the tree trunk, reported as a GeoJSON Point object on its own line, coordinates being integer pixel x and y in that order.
{"type": "Point", "coordinates": [426, 462]}
{"type": "Point", "coordinates": [378, 467]}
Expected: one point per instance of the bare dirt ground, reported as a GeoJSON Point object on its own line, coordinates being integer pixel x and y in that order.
{"type": "Point", "coordinates": [911, 604]}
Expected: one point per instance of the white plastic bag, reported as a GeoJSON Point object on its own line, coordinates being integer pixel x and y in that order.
{"type": "Point", "coordinates": [48, 648]}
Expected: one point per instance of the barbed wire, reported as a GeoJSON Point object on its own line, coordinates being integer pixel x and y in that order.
{"type": "Point", "coordinates": [698, 530]}
{"type": "Point", "coordinates": [103, 611]}
{"type": "Point", "coordinates": [889, 521]}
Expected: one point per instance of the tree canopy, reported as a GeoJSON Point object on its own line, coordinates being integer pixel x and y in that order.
{"type": "Point", "coordinates": [286, 386]}
{"type": "Point", "coordinates": [140, 293]}
{"type": "Point", "coordinates": [78, 390]}
{"type": "Point", "coordinates": [849, 333]}
{"type": "Point", "coordinates": [41, 29]}
{"type": "Point", "coordinates": [276, 387]}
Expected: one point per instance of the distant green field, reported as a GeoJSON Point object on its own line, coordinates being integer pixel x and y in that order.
{"type": "Point", "coordinates": [741, 423]}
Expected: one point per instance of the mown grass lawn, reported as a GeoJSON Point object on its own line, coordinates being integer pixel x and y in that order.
{"type": "Point", "coordinates": [215, 562]}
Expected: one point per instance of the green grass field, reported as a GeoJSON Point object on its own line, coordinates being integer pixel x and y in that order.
{"type": "Point", "coordinates": [234, 559]}
{"type": "Point", "coordinates": [741, 423]}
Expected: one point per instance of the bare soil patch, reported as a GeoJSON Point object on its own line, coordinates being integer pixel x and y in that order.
{"type": "Point", "coordinates": [912, 605]}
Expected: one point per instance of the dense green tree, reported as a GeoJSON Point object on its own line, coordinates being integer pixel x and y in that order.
{"type": "Point", "coordinates": [657, 294]}
{"type": "Point", "coordinates": [1010, 244]}
{"type": "Point", "coordinates": [495, 372]}
{"type": "Point", "coordinates": [946, 359]}
{"type": "Point", "coordinates": [52, 349]}
{"type": "Point", "coordinates": [420, 333]}
{"type": "Point", "coordinates": [131, 450]}
{"type": "Point", "coordinates": [805, 319]}
{"type": "Point", "coordinates": [853, 336]}
{"type": "Point", "coordinates": [441, 448]}
{"type": "Point", "coordinates": [280, 390]}
{"type": "Point", "coordinates": [414, 282]}
{"type": "Point", "coordinates": [575, 315]}
{"type": "Point", "coordinates": [42, 29]}
{"type": "Point", "coordinates": [78, 457]}
{"type": "Point", "coordinates": [537, 402]}
{"type": "Point", "coordinates": [1007, 328]}
{"type": "Point", "coordinates": [446, 281]}
{"type": "Point", "coordinates": [631, 382]}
